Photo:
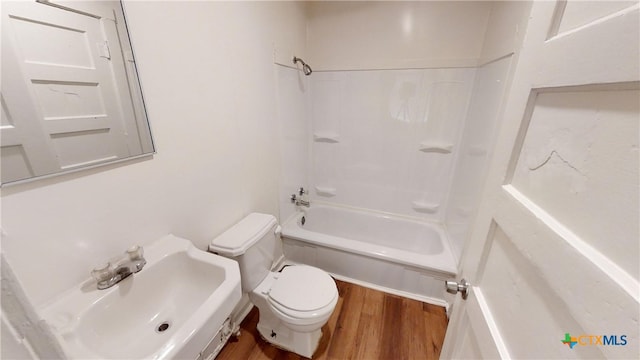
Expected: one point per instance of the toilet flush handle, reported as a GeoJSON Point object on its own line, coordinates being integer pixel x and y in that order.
{"type": "Point", "coordinates": [278, 230]}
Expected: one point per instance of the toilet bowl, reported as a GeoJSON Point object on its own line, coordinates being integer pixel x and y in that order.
{"type": "Point", "coordinates": [295, 302]}
{"type": "Point", "coordinates": [290, 316]}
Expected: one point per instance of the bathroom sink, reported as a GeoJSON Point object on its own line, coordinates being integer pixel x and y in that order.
{"type": "Point", "coordinates": [172, 308]}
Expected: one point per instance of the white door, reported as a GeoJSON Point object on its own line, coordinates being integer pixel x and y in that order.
{"type": "Point", "coordinates": [553, 259]}
{"type": "Point", "coordinates": [65, 96]}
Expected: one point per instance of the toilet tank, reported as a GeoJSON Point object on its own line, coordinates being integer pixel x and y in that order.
{"type": "Point", "coordinates": [252, 242]}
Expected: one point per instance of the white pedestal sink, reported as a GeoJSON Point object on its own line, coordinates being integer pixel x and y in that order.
{"type": "Point", "coordinates": [172, 308]}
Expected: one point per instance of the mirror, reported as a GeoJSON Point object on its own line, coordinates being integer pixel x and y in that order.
{"type": "Point", "coordinates": [70, 93]}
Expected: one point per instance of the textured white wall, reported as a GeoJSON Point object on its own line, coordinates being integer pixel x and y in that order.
{"type": "Point", "coordinates": [209, 82]}
{"type": "Point", "coordinates": [580, 166]}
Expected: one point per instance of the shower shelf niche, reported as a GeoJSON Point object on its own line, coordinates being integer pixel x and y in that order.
{"type": "Point", "coordinates": [425, 207]}
{"type": "Point", "coordinates": [325, 191]}
{"type": "Point", "coordinates": [435, 147]}
{"type": "Point", "coordinates": [326, 137]}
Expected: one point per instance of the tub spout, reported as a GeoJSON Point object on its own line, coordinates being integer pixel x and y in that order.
{"type": "Point", "coordinates": [299, 201]}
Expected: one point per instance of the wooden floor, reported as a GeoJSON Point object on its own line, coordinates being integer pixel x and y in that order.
{"type": "Point", "coordinates": [366, 324]}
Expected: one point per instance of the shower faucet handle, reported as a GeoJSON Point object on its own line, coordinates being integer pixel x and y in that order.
{"type": "Point", "coordinates": [300, 200]}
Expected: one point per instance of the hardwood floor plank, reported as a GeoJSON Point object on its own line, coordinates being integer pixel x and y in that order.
{"type": "Point", "coordinates": [366, 324]}
{"type": "Point", "coordinates": [394, 347]}
{"type": "Point", "coordinates": [414, 330]}
{"type": "Point", "coordinates": [263, 351]}
{"type": "Point", "coordinates": [373, 302]}
{"type": "Point", "coordinates": [369, 342]}
{"type": "Point", "coordinates": [344, 340]}
{"type": "Point", "coordinates": [436, 321]}
{"type": "Point", "coordinates": [370, 328]}
{"type": "Point", "coordinates": [322, 353]}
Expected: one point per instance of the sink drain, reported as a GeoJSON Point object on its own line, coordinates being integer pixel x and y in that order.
{"type": "Point", "coordinates": [163, 327]}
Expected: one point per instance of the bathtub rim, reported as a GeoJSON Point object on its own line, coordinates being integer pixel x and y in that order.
{"type": "Point", "coordinates": [440, 267]}
{"type": "Point", "coordinates": [324, 203]}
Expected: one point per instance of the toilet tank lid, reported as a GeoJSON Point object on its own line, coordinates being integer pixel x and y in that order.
{"type": "Point", "coordinates": [237, 239]}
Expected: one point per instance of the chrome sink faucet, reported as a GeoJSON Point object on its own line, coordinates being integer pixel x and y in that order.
{"type": "Point", "coordinates": [301, 199]}
{"type": "Point", "coordinates": [119, 268]}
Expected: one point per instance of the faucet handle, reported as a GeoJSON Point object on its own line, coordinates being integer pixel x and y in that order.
{"type": "Point", "coordinates": [302, 191]}
{"type": "Point", "coordinates": [102, 272]}
{"type": "Point", "coordinates": [135, 252]}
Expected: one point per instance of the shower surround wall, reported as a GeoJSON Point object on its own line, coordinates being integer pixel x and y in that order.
{"type": "Point", "coordinates": [480, 133]}
{"type": "Point", "coordinates": [389, 87]}
{"type": "Point", "coordinates": [387, 140]}
{"type": "Point", "coordinates": [475, 150]}
{"type": "Point", "coordinates": [387, 102]}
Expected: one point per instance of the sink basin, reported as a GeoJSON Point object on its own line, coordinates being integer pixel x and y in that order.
{"type": "Point", "coordinates": [172, 308]}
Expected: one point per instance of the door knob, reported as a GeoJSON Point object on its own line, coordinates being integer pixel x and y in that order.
{"type": "Point", "coordinates": [463, 288]}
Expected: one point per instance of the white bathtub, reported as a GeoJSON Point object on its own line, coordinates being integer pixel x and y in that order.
{"type": "Point", "coordinates": [398, 255]}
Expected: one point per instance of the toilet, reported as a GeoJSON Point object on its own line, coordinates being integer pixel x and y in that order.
{"type": "Point", "coordinates": [295, 302]}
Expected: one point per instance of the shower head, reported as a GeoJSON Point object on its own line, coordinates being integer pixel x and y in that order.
{"type": "Point", "coordinates": [306, 69]}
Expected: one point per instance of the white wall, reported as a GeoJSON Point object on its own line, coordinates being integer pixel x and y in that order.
{"type": "Point", "coordinates": [209, 81]}
{"type": "Point", "coordinates": [348, 35]}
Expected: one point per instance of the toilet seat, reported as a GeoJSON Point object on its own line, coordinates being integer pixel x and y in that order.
{"type": "Point", "coordinates": [303, 293]}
